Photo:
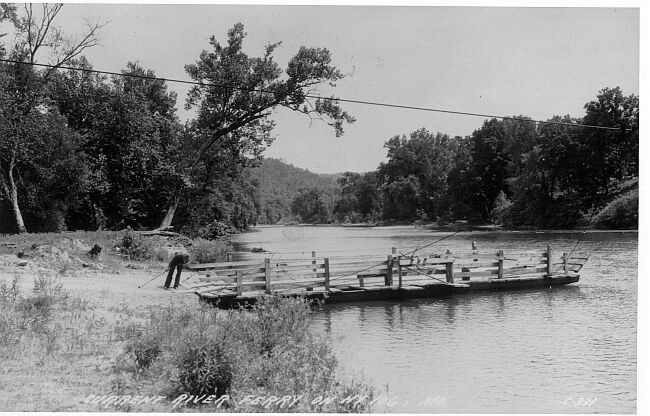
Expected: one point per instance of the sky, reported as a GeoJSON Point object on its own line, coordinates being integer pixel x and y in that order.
{"type": "Point", "coordinates": [536, 62]}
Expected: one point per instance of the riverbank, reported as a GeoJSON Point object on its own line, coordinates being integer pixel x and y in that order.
{"type": "Point", "coordinates": [82, 333]}
{"type": "Point", "coordinates": [456, 227]}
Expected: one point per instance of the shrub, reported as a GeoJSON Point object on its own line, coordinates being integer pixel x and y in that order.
{"type": "Point", "coordinates": [275, 351]}
{"type": "Point", "coordinates": [47, 286]}
{"type": "Point", "coordinates": [9, 334]}
{"type": "Point", "coordinates": [501, 212]}
{"type": "Point", "coordinates": [621, 213]}
{"type": "Point", "coordinates": [263, 351]}
{"type": "Point", "coordinates": [208, 251]}
{"type": "Point", "coordinates": [280, 320]}
{"type": "Point", "coordinates": [8, 294]}
{"type": "Point", "coordinates": [563, 213]}
{"type": "Point", "coordinates": [204, 369]}
{"type": "Point", "coordinates": [216, 230]}
{"type": "Point", "coordinates": [133, 245]}
{"type": "Point", "coordinates": [8, 329]}
{"type": "Point", "coordinates": [161, 255]}
{"type": "Point", "coordinates": [143, 350]}
{"type": "Point", "coordinates": [35, 311]}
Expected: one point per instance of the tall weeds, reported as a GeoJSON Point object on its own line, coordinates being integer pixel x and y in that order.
{"type": "Point", "coordinates": [267, 351]}
{"type": "Point", "coordinates": [178, 348]}
{"type": "Point", "coordinates": [208, 251]}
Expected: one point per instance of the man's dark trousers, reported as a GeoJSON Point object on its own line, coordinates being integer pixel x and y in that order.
{"type": "Point", "coordinates": [176, 263]}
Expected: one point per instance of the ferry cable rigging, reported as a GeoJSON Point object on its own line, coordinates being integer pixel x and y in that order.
{"type": "Point", "coordinates": [248, 270]}
{"type": "Point", "coordinates": [227, 86]}
{"type": "Point", "coordinates": [348, 274]}
{"type": "Point", "coordinates": [418, 270]}
{"type": "Point", "coordinates": [334, 277]}
{"type": "Point", "coordinates": [430, 244]}
{"type": "Point", "coordinates": [584, 231]}
{"type": "Point", "coordinates": [345, 100]}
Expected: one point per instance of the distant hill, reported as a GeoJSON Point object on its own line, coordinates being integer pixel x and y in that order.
{"type": "Point", "coordinates": [278, 184]}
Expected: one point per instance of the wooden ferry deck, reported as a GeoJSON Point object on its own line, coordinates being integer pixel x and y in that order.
{"type": "Point", "coordinates": [391, 277]}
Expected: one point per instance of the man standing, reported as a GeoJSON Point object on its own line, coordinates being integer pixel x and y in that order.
{"type": "Point", "coordinates": [177, 263]}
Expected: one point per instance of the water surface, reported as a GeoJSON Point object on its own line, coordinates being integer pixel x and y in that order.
{"type": "Point", "coordinates": [568, 349]}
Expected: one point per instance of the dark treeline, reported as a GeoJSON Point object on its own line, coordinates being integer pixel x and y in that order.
{"type": "Point", "coordinates": [80, 150]}
{"type": "Point", "coordinates": [83, 150]}
{"type": "Point", "coordinates": [513, 172]}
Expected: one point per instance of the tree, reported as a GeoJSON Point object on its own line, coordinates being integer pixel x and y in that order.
{"type": "Point", "coordinates": [428, 159]}
{"type": "Point", "coordinates": [347, 201]}
{"type": "Point", "coordinates": [534, 185]}
{"type": "Point", "coordinates": [235, 99]}
{"type": "Point", "coordinates": [498, 150]}
{"type": "Point", "coordinates": [309, 207]}
{"type": "Point", "coordinates": [462, 190]}
{"type": "Point", "coordinates": [401, 198]}
{"type": "Point", "coordinates": [359, 196]}
{"type": "Point", "coordinates": [24, 92]}
{"type": "Point", "coordinates": [138, 135]}
{"type": "Point", "coordinates": [131, 140]}
{"type": "Point", "coordinates": [612, 154]}
{"type": "Point", "coordinates": [368, 196]}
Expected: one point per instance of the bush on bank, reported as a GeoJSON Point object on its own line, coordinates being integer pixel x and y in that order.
{"type": "Point", "coordinates": [178, 348]}
{"type": "Point", "coordinates": [269, 350]}
{"type": "Point", "coordinates": [622, 213]}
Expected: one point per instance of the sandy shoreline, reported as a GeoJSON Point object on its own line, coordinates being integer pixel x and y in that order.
{"type": "Point", "coordinates": [85, 347]}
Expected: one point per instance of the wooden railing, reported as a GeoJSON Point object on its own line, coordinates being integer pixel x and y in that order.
{"type": "Point", "coordinates": [329, 273]}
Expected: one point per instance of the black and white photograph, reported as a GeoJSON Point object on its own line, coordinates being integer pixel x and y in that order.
{"type": "Point", "coordinates": [322, 208]}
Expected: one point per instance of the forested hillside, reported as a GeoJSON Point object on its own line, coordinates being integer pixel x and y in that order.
{"type": "Point", "coordinates": [81, 149]}
{"type": "Point", "coordinates": [279, 184]}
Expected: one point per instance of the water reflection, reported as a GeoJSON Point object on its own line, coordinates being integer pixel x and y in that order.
{"type": "Point", "coordinates": [503, 352]}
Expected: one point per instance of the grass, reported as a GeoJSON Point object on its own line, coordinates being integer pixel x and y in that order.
{"type": "Point", "coordinates": [67, 346]}
{"type": "Point", "coordinates": [208, 251]}
{"type": "Point", "coordinates": [67, 252]}
{"type": "Point", "coordinates": [268, 351]}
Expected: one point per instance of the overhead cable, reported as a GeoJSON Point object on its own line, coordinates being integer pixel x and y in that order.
{"type": "Point", "coordinates": [345, 100]}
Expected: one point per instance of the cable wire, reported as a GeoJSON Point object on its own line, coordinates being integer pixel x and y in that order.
{"type": "Point", "coordinates": [345, 100]}
{"type": "Point", "coordinates": [335, 277]}
{"type": "Point", "coordinates": [430, 244]}
{"type": "Point", "coordinates": [422, 273]}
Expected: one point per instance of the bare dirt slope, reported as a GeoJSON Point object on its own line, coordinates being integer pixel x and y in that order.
{"type": "Point", "coordinates": [74, 356]}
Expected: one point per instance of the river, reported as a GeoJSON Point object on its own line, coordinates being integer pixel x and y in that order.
{"type": "Point", "coordinates": [569, 349]}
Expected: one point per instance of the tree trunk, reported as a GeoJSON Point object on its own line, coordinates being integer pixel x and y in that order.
{"type": "Point", "coordinates": [13, 198]}
{"type": "Point", "coordinates": [171, 210]}
{"type": "Point", "coordinates": [98, 217]}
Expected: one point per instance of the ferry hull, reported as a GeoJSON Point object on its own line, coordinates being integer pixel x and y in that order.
{"type": "Point", "coordinates": [353, 294]}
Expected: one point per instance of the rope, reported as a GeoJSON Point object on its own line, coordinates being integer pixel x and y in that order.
{"type": "Point", "coordinates": [584, 231]}
{"type": "Point", "coordinates": [255, 266]}
{"type": "Point", "coordinates": [348, 274]}
{"type": "Point", "coordinates": [383, 250]}
{"type": "Point", "coordinates": [336, 277]}
{"type": "Point", "coordinates": [430, 244]}
{"type": "Point", "coordinates": [422, 273]}
{"type": "Point", "coordinates": [157, 276]}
